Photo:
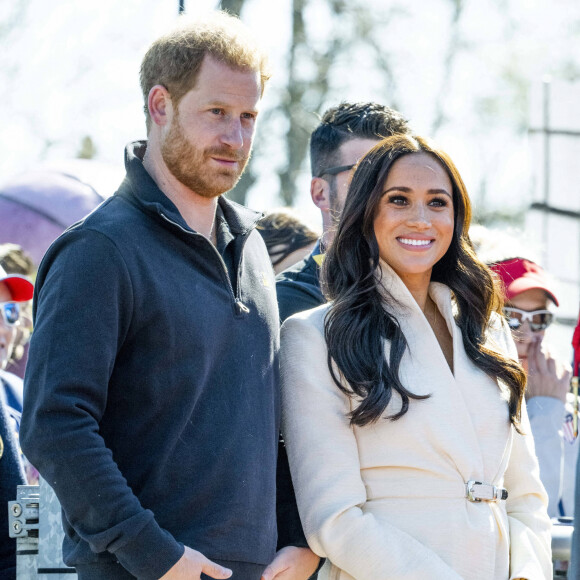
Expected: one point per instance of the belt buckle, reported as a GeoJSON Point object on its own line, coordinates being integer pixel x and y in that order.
{"type": "Point", "coordinates": [469, 490]}
{"type": "Point", "coordinates": [498, 493]}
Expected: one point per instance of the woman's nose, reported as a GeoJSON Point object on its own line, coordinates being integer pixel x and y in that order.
{"type": "Point", "coordinates": [419, 217]}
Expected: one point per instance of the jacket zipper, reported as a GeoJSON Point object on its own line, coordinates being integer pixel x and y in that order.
{"type": "Point", "coordinates": [242, 308]}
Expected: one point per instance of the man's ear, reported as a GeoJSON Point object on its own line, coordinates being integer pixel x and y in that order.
{"type": "Point", "coordinates": [160, 106]}
{"type": "Point", "coordinates": [320, 193]}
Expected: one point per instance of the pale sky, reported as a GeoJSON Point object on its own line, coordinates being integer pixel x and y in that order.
{"type": "Point", "coordinates": [72, 70]}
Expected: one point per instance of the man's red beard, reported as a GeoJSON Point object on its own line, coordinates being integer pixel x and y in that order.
{"type": "Point", "coordinates": [194, 168]}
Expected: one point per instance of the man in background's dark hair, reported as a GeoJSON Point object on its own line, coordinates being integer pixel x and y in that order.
{"type": "Point", "coordinates": [351, 121]}
{"type": "Point", "coordinates": [345, 133]}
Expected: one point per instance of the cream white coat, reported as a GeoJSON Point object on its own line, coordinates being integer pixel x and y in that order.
{"type": "Point", "coordinates": [387, 501]}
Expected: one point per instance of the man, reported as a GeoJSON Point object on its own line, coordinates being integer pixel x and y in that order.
{"type": "Point", "coordinates": [15, 295]}
{"type": "Point", "coordinates": [151, 402]}
{"type": "Point", "coordinates": [14, 290]}
{"type": "Point", "coordinates": [346, 132]}
{"type": "Point", "coordinates": [15, 260]}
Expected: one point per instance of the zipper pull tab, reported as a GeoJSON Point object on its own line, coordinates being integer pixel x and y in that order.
{"type": "Point", "coordinates": [242, 307]}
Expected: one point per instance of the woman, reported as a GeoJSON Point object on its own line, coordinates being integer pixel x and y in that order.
{"type": "Point", "coordinates": [530, 300]}
{"type": "Point", "coordinates": [404, 391]}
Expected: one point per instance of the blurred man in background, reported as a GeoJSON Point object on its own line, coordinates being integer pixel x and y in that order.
{"type": "Point", "coordinates": [14, 292]}
{"type": "Point", "coordinates": [345, 133]}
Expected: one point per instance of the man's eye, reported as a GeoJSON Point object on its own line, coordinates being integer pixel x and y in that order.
{"type": "Point", "coordinates": [250, 116]}
{"type": "Point", "coordinates": [217, 111]}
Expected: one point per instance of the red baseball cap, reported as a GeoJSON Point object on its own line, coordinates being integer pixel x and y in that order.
{"type": "Point", "coordinates": [20, 287]}
{"type": "Point", "coordinates": [519, 275]}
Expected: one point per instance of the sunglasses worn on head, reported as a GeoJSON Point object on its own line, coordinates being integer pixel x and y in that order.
{"type": "Point", "coordinates": [10, 312]}
{"type": "Point", "coordinates": [538, 319]}
{"type": "Point", "coordinates": [335, 170]}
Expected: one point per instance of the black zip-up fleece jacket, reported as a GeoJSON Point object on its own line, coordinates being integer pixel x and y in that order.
{"type": "Point", "coordinates": [151, 402]}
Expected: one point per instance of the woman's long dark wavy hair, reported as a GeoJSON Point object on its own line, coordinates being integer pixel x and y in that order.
{"type": "Point", "coordinates": [357, 324]}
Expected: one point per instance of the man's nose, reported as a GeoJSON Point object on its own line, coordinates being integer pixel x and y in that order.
{"type": "Point", "coordinates": [233, 136]}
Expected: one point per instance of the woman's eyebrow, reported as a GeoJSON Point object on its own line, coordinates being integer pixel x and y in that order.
{"type": "Point", "coordinates": [405, 189]}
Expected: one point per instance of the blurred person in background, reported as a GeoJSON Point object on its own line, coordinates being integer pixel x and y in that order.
{"type": "Point", "coordinates": [15, 260]}
{"type": "Point", "coordinates": [14, 292]}
{"type": "Point", "coordinates": [287, 238]}
{"type": "Point", "coordinates": [530, 295]}
{"type": "Point", "coordinates": [574, 569]}
{"type": "Point", "coordinates": [345, 133]}
{"type": "Point", "coordinates": [11, 475]}
{"type": "Point", "coordinates": [530, 301]}
{"type": "Point", "coordinates": [15, 325]}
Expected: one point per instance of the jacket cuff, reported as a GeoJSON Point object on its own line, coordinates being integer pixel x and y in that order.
{"type": "Point", "coordinates": [151, 554]}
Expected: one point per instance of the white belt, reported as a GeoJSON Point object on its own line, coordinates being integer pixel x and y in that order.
{"type": "Point", "coordinates": [480, 491]}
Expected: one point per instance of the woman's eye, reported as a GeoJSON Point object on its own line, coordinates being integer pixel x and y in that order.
{"type": "Point", "coordinates": [438, 202]}
{"type": "Point", "coordinates": [398, 199]}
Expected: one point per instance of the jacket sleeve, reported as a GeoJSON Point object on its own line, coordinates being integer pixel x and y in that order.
{"type": "Point", "coordinates": [546, 417]}
{"type": "Point", "coordinates": [526, 505]}
{"type": "Point", "coordinates": [83, 306]}
{"type": "Point", "coordinates": [296, 296]}
{"type": "Point", "coordinates": [290, 531]}
{"type": "Point", "coordinates": [325, 466]}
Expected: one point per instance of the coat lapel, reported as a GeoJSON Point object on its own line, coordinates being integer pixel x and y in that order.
{"type": "Point", "coordinates": [460, 400]}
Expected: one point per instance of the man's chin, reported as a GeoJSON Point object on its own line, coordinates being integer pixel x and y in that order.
{"type": "Point", "coordinates": [212, 186]}
{"type": "Point", "coordinates": [216, 190]}
{"type": "Point", "coordinates": [227, 180]}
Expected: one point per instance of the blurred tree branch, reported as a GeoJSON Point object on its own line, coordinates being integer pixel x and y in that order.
{"type": "Point", "coordinates": [232, 6]}
{"type": "Point", "coordinates": [453, 49]}
{"type": "Point", "coordinates": [13, 18]}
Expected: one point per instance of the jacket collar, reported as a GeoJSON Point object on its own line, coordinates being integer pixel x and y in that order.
{"type": "Point", "coordinates": [141, 187]}
{"type": "Point", "coordinates": [400, 301]}
{"type": "Point", "coordinates": [314, 260]}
